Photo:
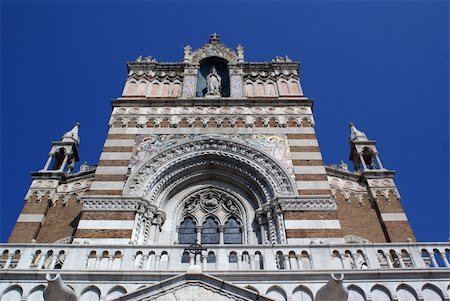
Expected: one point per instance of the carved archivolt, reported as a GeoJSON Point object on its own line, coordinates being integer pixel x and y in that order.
{"type": "Point", "coordinates": [249, 159]}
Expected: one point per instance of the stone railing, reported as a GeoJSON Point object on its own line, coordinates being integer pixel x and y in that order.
{"type": "Point", "coordinates": [225, 257]}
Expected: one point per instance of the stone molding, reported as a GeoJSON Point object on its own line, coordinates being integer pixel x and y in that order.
{"type": "Point", "coordinates": [307, 204]}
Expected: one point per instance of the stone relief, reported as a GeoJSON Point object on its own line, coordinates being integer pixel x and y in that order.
{"type": "Point", "coordinates": [274, 145]}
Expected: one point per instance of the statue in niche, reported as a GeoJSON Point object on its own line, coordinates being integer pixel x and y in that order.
{"type": "Point", "coordinates": [213, 82]}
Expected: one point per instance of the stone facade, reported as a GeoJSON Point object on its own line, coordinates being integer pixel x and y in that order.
{"type": "Point", "coordinates": [238, 170]}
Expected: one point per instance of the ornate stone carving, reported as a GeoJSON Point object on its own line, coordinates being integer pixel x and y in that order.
{"type": "Point", "coordinates": [308, 205]}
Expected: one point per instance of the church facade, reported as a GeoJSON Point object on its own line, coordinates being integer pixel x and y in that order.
{"type": "Point", "coordinates": [211, 185]}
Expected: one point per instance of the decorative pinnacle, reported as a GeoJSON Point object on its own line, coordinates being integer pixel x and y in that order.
{"type": "Point", "coordinates": [214, 38]}
{"type": "Point", "coordinates": [355, 134]}
{"type": "Point", "coordinates": [72, 135]}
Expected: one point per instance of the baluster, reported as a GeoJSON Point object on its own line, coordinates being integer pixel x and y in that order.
{"type": "Point", "coordinates": [8, 261]}
{"type": "Point", "coordinates": [433, 259]}
{"type": "Point", "coordinates": [287, 264]}
{"type": "Point", "coordinates": [239, 261]}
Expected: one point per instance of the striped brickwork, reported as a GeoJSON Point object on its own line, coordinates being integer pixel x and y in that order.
{"type": "Point", "coordinates": [111, 173]}
{"type": "Point", "coordinates": [105, 225]}
{"type": "Point", "coordinates": [310, 174]}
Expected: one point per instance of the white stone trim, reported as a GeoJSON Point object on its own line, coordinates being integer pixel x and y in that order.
{"type": "Point", "coordinates": [303, 142]}
{"type": "Point", "coordinates": [312, 224]}
{"type": "Point", "coordinates": [309, 170]}
{"type": "Point", "coordinates": [31, 218]}
{"type": "Point", "coordinates": [394, 217]}
{"type": "Point", "coordinates": [106, 224]}
{"type": "Point", "coordinates": [315, 241]}
{"type": "Point", "coordinates": [107, 185]}
{"type": "Point", "coordinates": [111, 170]}
{"type": "Point", "coordinates": [115, 156]}
{"type": "Point", "coordinates": [207, 130]}
{"type": "Point", "coordinates": [312, 184]}
{"type": "Point", "coordinates": [306, 155]}
{"type": "Point", "coordinates": [122, 142]}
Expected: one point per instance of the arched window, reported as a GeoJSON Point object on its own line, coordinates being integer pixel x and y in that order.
{"type": "Point", "coordinates": [233, 232]}
{"type": "Point", "coordinates": [210, 231]}
{"type": "Point", "coordinates": [187, 233]}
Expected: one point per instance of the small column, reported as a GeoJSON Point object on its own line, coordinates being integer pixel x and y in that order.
{"type": "Point", "coordinates": [145, 262]}
{"type": "Point", "coordinates": [8, 261]}
{"type": "Point", "coordinates": [41, 261]}
{"type": "Point", "coordinates": [299, 262]}
{"type": "Point", "coordinates": [287, 264]}
{"type": "Point", "coordinates": [444, 259]}
{"type": "Point", "coordinates": [262, 230]}
{"type": "Point", "coordinates": [239, 261]}
{"type": "Point", "coordinates": [252, 262]}
{"type": "Point", "coordinates": [199, 234]}
{"type": "Point", "coordinates": [362, 161]}
{"type": "Point", "coordinates": [157, 262]}
{"type": "Point", "coordinates": [205, 262]}
{"type": "Point", "coordinates": [279, 217]}
{"type": "Point", "coordinates": [433, 260]}
{"type": "Point", "coordinates": [221, 234]}
{"type": "Point", "coordinates": [110, 264]}
{"type": "Point", "coordinates": [271, 227]}
{"type": "Point", "coordinates": [49, 160]}
{"type": "Point", "coordinates": [61, 168]}
{"type": "Point", "coordinates": [400, 261]}
{"type": "Point", "coordinates": [389, 260]}
{"type": "Point", "coordinates": [379, 161]}
{"type": "Point", "coordinates": [191, 259]}
{"type": "Point", "coordinates": [53, 261]}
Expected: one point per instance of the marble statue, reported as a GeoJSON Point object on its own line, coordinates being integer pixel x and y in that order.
{"type": "Point", "coordinates": [213, 82]}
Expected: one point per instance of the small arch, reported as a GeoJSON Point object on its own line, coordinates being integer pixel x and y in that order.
{"type": "Point", "coordinates": [276, 293]}
{"type": "Point", "coordinates": [185, 258]}
{"type": "Point", "coordinates": [252, 288]}
{"type": "Point", "coordinates": [438, 257]}
{"type": "Point", "coordinates": [280, 261]}
{"type": "Point", "coordinates": [12, 293]}
{"type": "Point", "coordinates": [259, 122]}
{"type": "Point", "coordinates": [210, 231]}
{"type": "Point", "coordinates": [259, 260]}
{"type": "Point", "coordinates": [294, 87]}
{"type": "Point", "coordinates": [306, 260]}
{"type": "Point", "coordinates": [232, 232]}
{"type": "Point", "coordinates": [116, 292]}
{"type": "Point", "coordinates": [432, 293]}
{"type": "Point", "coordinates": [233, 258]}
{"type": "Point", "coordinates": [355, 293]}
{"type": "Point", "coordinates": [292, 123]}
{"type": "Point", "coordinates": [283, 88]}
{"type": "Point", "coordinates": [306, 123]}
{"type": "Point", "coordinates": [302, 293]}
{"type": "Point", "coordinates": [91, 293]}
{"type": "Point", "coordinates": [406, 293]}
{"type": "Point", "coordinates": [36, 293]}
{"type": "Point", "coordinates": [211, 258]}
{"type": "Point", "coordinates": [380, 293]}
{"type": "Point", "coordinates": [249, 90]}
{"type": "Point", "coordinates": [427, 258]}
{"type": "Point", "coordinates": [406, 259]}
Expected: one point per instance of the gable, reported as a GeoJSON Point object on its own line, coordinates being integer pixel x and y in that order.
{"type": "Point", "coordinates": [190, 287]}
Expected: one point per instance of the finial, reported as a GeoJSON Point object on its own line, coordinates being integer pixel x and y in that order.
{"type": "Point", "coordinates": [72, 135]}
{"type": "Point", "coordinates": [240, 53]}
{"type": "Point", "coordinates": [214, 38]}
{"type": "Point", "coordinates": [355, 134]}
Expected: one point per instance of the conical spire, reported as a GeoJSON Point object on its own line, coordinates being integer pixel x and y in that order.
{"type": "Point", "coordinates": [356, 135]}
{"type": "Point", "coordinates": [72, 135]}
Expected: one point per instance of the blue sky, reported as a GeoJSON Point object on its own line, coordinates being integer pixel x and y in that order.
{"type": "Point", "coordinates": [381, 64]}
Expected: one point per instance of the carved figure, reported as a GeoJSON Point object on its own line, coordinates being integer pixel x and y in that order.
{"type": "Point", "coordinates": [213, 82]}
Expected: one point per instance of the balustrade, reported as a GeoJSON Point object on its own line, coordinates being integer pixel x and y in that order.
{"type": "Point", "coordinates": [226, 257]}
